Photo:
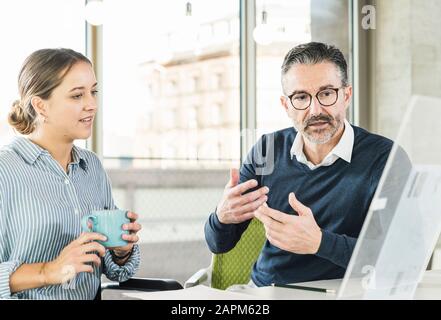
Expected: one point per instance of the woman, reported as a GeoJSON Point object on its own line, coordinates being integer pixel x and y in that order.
{"type": "Point", "coordinates": [47, 184]}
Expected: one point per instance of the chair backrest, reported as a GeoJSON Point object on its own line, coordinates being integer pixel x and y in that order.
{"type": "Point", "coordinates": [234, 267]}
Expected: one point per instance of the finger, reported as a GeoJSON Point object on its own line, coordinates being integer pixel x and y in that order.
{"type": "Point", "coordinates": [299, 207]}
{"type": "Point", "coordinates": [130, 237]}
{"type": "Point", "coordinates": [90, 257]}
{"type": "Point", "coordinates": [85, 268]}
{"type": "Point", "coordinates": [132, 216]}
{"type": "Point", "coordinates": [251, 206]}
{"type": "Point", "coordinates": [241, 188]}
{"type": "Point", "coordinates": [268, 221]}
{"type": "Point", "coordinates": [249, 197]}
{"type": "Point", "coordinates": [94, 246]}
{"type": "Point", "coordinates": [90, 236]}
{"type": "Point", "coordinates": [132, 227]}
{"type": "Point", "coordinates": [234, 178]}
{"type": "Point", "coordinates": [275, 242]}
{"type": "Point", "coordinates": [274, 214]}
{"type": "Point", "coordinates": [274, 234]}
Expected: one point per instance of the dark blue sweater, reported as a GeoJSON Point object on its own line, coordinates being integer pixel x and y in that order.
{"type": "Point", "coordinates": [338, 195]}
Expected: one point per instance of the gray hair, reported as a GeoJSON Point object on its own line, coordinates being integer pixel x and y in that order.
{"type": "Point", "coordinates": [313, 53]}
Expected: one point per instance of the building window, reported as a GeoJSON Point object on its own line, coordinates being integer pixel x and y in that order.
{"type": "Point", "coordinates": [292, 23]}
{"type": "Point", "coordinates": [28, 26]}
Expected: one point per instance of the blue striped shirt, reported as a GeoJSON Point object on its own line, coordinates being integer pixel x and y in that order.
{"type": "Point", "coordinates": [40, 211]}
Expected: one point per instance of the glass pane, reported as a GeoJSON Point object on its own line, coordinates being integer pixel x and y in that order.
{"type": "Point", "coordinates": [403, 223]}
{"type": "Point", "coordinates": [289, 23]}
{"type": "Point", "coordinates": [26, 26]}
{"type": "Point", "coordinates": [171, 84]}
{"type": "Point", "coordinates": [171, 121]}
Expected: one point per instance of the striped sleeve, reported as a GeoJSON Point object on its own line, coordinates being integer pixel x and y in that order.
{"type": "Point", "coordinates": [123, 273]}
{"type": "Point", "coordinates": [6, 267]}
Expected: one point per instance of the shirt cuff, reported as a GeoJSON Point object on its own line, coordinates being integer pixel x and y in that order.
{"type": "Point", "coordinates": [115, 272]}
{"type": "Point", "coordinates": [6, 269]}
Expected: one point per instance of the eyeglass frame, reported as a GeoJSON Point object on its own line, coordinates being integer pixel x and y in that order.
{"type": "Point", "coordinates": [316, 96]}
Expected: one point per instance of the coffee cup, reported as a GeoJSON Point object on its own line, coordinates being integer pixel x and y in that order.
{"type": "Point", "coordinates": [108, 223]}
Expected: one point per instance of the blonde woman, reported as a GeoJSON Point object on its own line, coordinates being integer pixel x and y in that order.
{"type": "Point", "coordinates": [47, 184]}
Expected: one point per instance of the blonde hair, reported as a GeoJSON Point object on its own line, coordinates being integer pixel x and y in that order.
{"type": "Point", "coordinates": [40, 74]}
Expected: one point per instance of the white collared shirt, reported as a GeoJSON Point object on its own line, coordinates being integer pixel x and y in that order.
{"type": "Point", "coordinates": [342, 150]}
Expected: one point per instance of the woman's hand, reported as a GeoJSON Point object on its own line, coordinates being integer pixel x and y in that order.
{"type": "Point", "coordinates": [133, 227]}
{"type": "Point", "coordinates": [73, 259]}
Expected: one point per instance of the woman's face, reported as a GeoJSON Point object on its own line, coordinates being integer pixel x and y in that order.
{"type": "Point", "coordinates": [72, 106]}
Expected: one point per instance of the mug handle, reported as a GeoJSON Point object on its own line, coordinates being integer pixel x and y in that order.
{"type": "Point", "coordinates": [85, 220]}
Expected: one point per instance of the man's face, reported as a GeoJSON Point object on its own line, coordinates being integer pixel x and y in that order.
{"type": "Point", "coordinates": [318, 123]}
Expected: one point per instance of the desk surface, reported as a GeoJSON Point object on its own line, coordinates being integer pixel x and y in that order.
{"type": "Point", "coordinates": [428, 289]}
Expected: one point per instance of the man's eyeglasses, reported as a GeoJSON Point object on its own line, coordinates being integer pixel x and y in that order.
{"type": "Point", "coordinates": [327, 97]}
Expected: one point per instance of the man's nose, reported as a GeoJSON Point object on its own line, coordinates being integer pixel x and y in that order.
{"type": "Point", "coordinates": [315, 108]}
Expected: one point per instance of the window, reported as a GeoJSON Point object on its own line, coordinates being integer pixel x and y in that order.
{"type": "Point", "coordinates": [192, 118]}
{"type": "Point", "coordinates": [217, 81]}
{"type": "Point", "coordinates": [24, 31]}
{"type": "Point", "coordinates": [158, 66]}
{"type": "Point", "coordinates": [194, 84]}
{"type": "Point", "coordinates": [180, 62]}
{"type": "Point", "coordinates": [291, 23]}
{"type": "Point", "coordinates": [215, 114]}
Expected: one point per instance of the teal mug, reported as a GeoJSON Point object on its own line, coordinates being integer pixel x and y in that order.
{"type": "Point", "coordinates": [108, 223]}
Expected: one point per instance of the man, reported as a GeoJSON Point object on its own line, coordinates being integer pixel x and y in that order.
{"type": "Point", "coordinates": [315, 194]}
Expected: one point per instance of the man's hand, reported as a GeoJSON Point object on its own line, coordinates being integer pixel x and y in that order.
{"type": "Point", "coordinates": [235, 207]}
{"type": "Point", "coordinates": [297, 234]}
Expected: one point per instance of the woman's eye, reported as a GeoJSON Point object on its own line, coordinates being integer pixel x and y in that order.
{"type": "Point", "coordinates": [77, 96]}
{"type": "Point", "coordinates": [94, 92]}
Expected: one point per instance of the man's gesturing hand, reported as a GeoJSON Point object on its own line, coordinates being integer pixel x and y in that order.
{"type": "Point", "coordinates": [298, 234]}
{"type": "Point", "coordinates": [236, 207]}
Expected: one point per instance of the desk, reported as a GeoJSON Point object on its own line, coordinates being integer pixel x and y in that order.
{"type": "Point", "coordinates": [428, 289]}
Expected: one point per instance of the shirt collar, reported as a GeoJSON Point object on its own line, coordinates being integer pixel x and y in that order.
{"type": "Point", "coordinates": [343, 149]}
{"type": "Point", "coordinates": [79, 157]}
{"type": "Point", "coordinates": [30, 152]}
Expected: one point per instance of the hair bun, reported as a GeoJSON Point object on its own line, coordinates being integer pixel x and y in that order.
{"type": "Point", "coordinates": [22, 121]}
{"type": "Point", "coordinates": [17, 104]}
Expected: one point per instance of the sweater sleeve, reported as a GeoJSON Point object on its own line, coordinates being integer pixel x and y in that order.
{"type": "Point", "coordinates": [222, 237]}
{"type": "Point", "coordinates": [336, 248]}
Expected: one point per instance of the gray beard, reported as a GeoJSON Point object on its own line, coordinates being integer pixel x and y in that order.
{"type": "Point", "coordinates": [323, 139]}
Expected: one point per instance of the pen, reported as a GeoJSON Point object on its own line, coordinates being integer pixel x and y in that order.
{"type": "Point", "coordinates": [292, 286]}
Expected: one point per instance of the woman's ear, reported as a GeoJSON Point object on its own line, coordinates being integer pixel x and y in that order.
{"type": "Point", "coordinates": [39, 106]}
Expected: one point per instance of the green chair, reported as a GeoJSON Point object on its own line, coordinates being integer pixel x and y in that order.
{"type": "Point", "coordinates": [234, 266]}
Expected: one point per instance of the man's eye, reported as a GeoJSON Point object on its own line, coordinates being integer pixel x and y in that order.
{"type": "Point", "coordinates": [300, 97]}
{"type": "Point", "coordinates": [94, 92]}
{"type": "Point", "coordinates": [326, 93]}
